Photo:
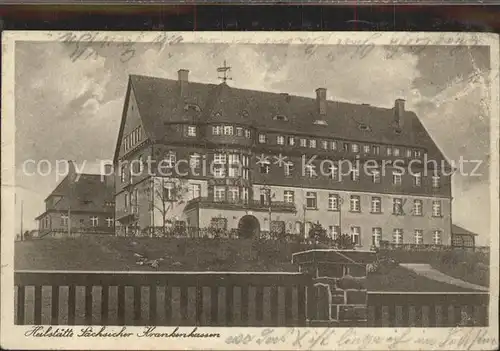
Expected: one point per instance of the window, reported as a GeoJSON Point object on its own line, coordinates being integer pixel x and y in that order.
{"type": "Point", "coordinates": [280, 140]}
{"type": "Point", "coordinates": [219, 193]}
{"type": "Point", "coordinates": [355, 147]}
{"type": "Point", "coordinates": [436, 208]}
{"type": "Point", "coordinates": [435, 181]}
{"type": "Point", "coordinates": [346, 146]}
{"type": "Point", "coordinates": [228, 130]}
{"type": "Point", "coordinates": [417, 153]}
{"type": "Point", "coordinates": [333, 145]}
{"type": "Point", "coordinates": [195, 191]}
{"type": "Point", "coordinates": [94, 221]}
{"type": "Point", "coordinates": [233, 194]}
{"type": "Point", "coordinates": [239, 131]}
{"type": "Point", "coordinates": [291, 141]}
{"type": "Point", "coordinates": [216, 130]}
{"type": "Point", "coordinates": [397, 236]}
{"type": "Point", "coordinates": [366, 149]}
{"type": "Point", "coordinates": [376, 149]}
{"type": "Point", "coordinates": [389, 151]}
{"type": "Point", "coordinates": [397, 206]}
{"type": "Point", "coordinates": [333, 202]}
{"type": "Point", "coordinates": [64, 220]}
{"type": "Point", "coordinates": [245, 173]}
{"type": "Point", "coordinates": [125, 198]}
{"type": "Point", "coordinates": [170, 159]}
{"type": "Point", "coordinates": [324, 144]}
{"type": "Point", "coordinates": [234, 171]}
{"type": "Point", "coordinates": [265, 196]}
{"type": "Point", "coordinates": [356, 235]}
{"type": "Point", "coordinates": [417, 179]}
{"type": "Point", "coordinates": [436, 237]}
{"type": "Point", "coordinates": [334, 171]}
{"type": "Point", "coordinates": [247, 134]}
{"type": "Point", "coordinates": [244, 195]}
{"type": "Point", "coordinates": [218, 223]}
{"type": "Point", "coordinates": [289, 196]}
{"type": "Point", "coordinates": [376, 176]}
{"type": "Point", "coordinates": [312, 143]}
{"type": "Point", "coordinates": [219, 172]}
{"type": "Point", "coordinates": [168, 191]}
{"type": "Point", "coordinates": [191, 131]}
{"type": "Point", "coordinates": [397, 178]}
{"type": "Point", "coordinates": [309, 171]}
{"type": "Point", "coordinates": [355, 173]}
{"type": "Point", "coordinates": [417, 207]}
{"type": "Point", "coordinates": [194, 160]}
{"type": "Point", "coordinates": [303, 142]}
{"type": "Point", "coordinates": [123, 173]}
{"type": "Point", "coordinates": [334, 231]}
{"type": "Point", "coordinates": [288, 168]}
{"type": "Point", "coordinates": [109, 222]}
{"type": "Point", "coordinates": [234, 160]}
{"type": "Point", "coordinates": [396, 151]}
{"type": "Point", "coordinates": [419, 236]}
{"type": "Point", "coordinates": [355, 203]}
{"type": "Point", "coordinates": [262, 138]}
{"type": "Point", "coordinates": [376, 205]}
{"type": "Point", "coordinates": [376, 236]}
{"type": "Point", "coordinates": [220, 159]}
{"type": "Point", "coordinates": [265, 166]}
{"type": "Point", "coordinates": [311, 200]}
{"type": "Point", "coordinates": [408, 152]}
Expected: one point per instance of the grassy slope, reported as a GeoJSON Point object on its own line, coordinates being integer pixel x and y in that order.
{"type": "Point", "coordinates": [109, 253]}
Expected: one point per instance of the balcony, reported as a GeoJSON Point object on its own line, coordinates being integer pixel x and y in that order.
{"type": "Point", "coordinates": [127, 213]}
{"type": "Point", "coordinates": [252, 205]}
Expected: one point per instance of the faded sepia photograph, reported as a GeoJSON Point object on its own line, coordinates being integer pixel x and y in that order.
{"type": "Point", "coordinates": [187, 186]}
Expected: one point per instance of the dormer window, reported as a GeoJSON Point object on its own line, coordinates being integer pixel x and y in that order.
{"type": "Point", "coordinates": [216, 130]}
{"type": "Point", "coordinates": [191, 131]}
{"type": "Point", "coordinates": [280, 140]}
{"type": "Point", "coordinates": [364, 127]}
{"type": "Point", "coordinates": [320, 122]}
{"type": "Point", "coordinates": [228, 130]}
{"type": "Point", "coordinates": [192, 107]}
{"type": "Point", "coordinates": [280, 118]}
{"type": "Point", "coordinates": [262, 138]}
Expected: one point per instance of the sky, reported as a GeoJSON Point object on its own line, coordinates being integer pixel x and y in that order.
{"type": "Point", "coordinates": [68, 103]}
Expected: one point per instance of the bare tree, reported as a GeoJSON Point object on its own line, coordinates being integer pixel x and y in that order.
{"type": "Point", "coordinates": [164, 195]}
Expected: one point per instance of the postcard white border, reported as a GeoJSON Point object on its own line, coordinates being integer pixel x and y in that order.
{"type": "Point", "coordinates": [13, 336]}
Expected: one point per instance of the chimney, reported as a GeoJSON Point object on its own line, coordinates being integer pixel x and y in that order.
{"type": "Point", "coordinates": [399, 109]}
{"type": "Point", "coordinates": [183, 78]}
{"type": "Point", "coordinates": [71, 170]}
{"type": "Point", "coordinates": [321, 101]}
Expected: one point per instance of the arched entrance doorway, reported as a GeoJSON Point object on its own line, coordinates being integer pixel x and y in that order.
{"type": "Point", "coordinates": [248, 227]}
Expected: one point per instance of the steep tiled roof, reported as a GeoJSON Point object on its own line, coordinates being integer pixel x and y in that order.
{"type": "Point", "coordinates": [455, 229]}
{"type": "Point", "coordinates": [89, 193]}
{"type": "Point", "coordinates": [161, 101]}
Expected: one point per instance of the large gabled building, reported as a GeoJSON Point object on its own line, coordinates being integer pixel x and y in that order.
{"type": "Point", "coordinates": [227, 144]}
{"type": "Point", "coordinates": [80, 204]}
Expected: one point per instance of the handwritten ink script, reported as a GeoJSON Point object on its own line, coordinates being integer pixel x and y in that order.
{"type": "Point", "coordinates": [113, 332]}
{"type": "Point", "coordinates": [330, 338]}
{"type": "Point", "coordinates": [89, 46]}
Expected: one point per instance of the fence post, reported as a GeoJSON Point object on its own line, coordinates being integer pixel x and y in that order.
{"type": "Point", "coordinates": [339, 278]}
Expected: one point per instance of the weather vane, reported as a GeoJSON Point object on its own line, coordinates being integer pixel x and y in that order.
{"type": "Point", "coordinates": [224, 72]}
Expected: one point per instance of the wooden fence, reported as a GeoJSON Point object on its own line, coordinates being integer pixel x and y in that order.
{"type": "Point", "coordinates": [218, 299]}
{"type": "Point", "coordinates": [161, 298]}
{"type": "Point", "coordinates": [444, 309]}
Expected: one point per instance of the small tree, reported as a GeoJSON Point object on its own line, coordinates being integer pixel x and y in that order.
{"type": "Point", "coordinates": [318, 233]}
{"type": "Point", "coordinates": [344, 241]}
{"type": "Point", "coordinates": [164, 195]}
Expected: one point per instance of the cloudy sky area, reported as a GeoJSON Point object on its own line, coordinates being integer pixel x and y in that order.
{"type": "Point", "coordinates": [71, 109]}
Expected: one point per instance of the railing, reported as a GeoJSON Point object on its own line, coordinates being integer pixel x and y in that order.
{"type": "Point", "coordinates": [402, 309]}
{"type": "Point", "coordinates": [256, 205]}
{"type": "Point", "coordinates": [163, 299]}
{"type": "Point", "coordinates": [428, 247]}
{"type": "Point", "coordinates": [76, 231]}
